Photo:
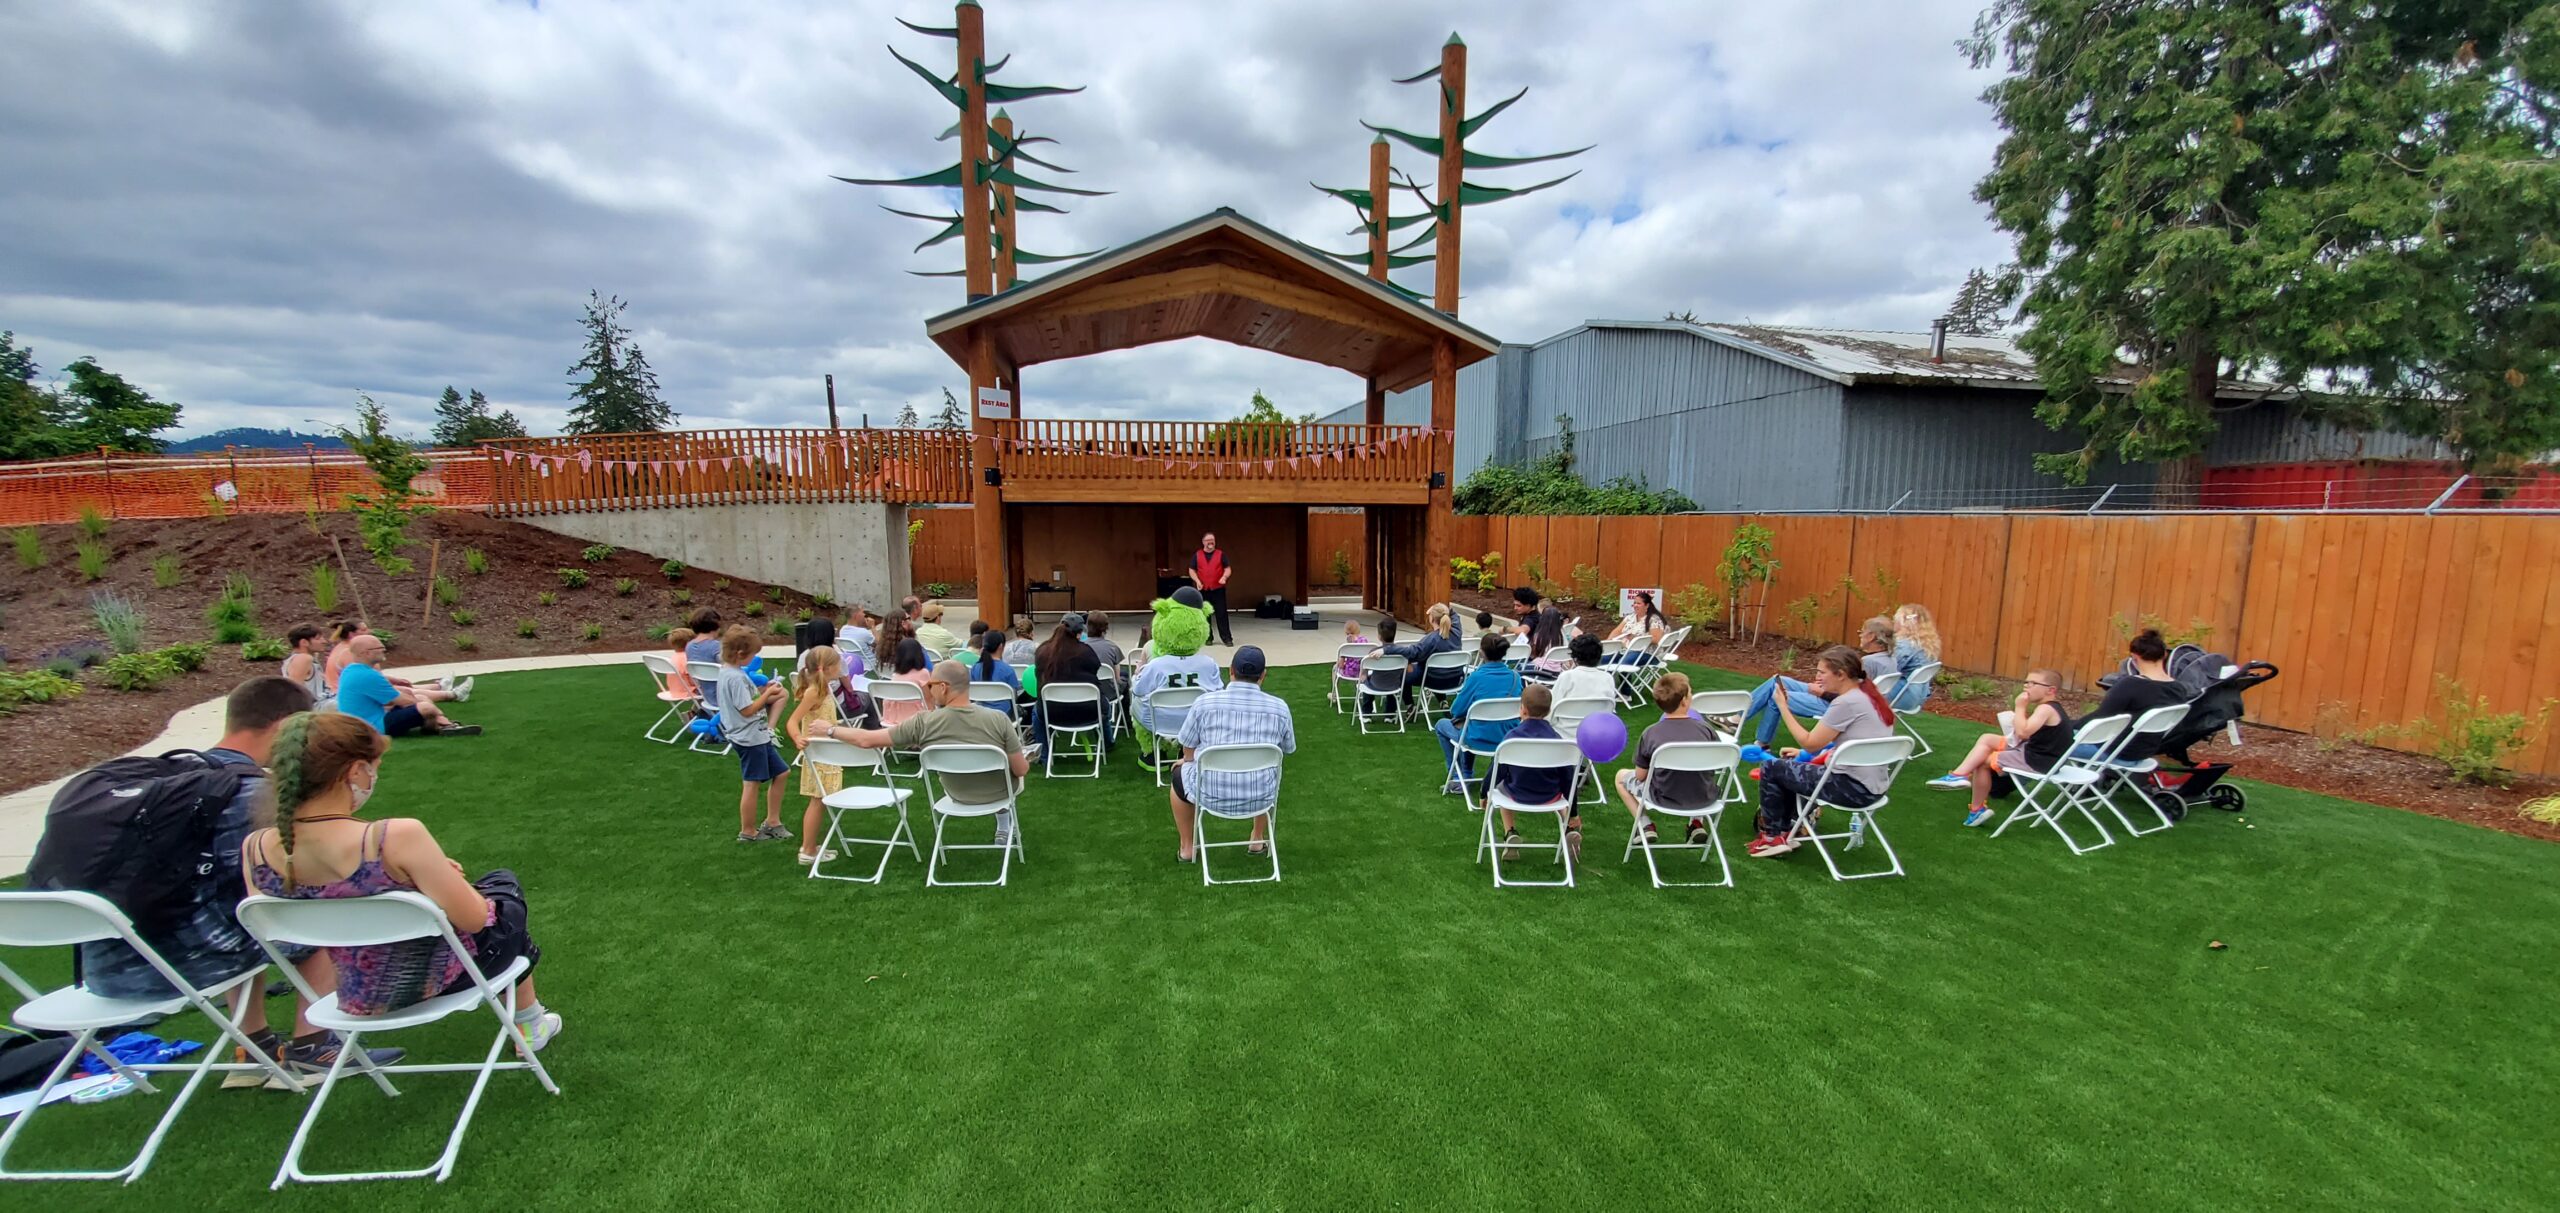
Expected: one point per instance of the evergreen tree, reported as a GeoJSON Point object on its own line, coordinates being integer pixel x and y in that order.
{"type": "Point", "coordinates": [27, 429]}
{"type": "Point", "coordinates": [949, 418]}
{"type": "Point", "coordinates": [2349, 197]}
{"type": "Point", "coordinates": [907, 419]}
{"type": "Point", "coordinates": [98, 408]}
{"type": "Point", "coordinates": [502, 424]}
{"type": "Point", "coordinates": [619, 393]}
{"type": "Point", "coordinates": [1976, 311]}
{"type": "Point", "coordinates": [461, 422]}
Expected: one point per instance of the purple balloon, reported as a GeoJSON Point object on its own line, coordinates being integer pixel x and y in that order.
{"type": "Point", "coordinates": [1602, 737]}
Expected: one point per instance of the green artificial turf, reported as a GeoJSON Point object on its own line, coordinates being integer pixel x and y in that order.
{"type": "Point", "coordinates": [2010, 1026]}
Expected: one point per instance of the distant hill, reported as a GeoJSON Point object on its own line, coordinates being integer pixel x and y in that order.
{"type": "Point", "coordinates": [251, 437]}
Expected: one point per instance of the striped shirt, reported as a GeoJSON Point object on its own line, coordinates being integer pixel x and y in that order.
{"type": "Point", "coordinates": [1241, 714]}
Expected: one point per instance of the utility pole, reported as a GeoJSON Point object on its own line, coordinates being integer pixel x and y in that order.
{"type": "Point", "coordinates": [832, 423]}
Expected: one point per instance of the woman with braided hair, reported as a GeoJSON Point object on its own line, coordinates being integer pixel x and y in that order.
{"type": "Point", "coordinates": [322, 770]}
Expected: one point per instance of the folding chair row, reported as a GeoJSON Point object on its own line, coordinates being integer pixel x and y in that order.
{"type": "Point", "coordinates": [2089, 775]}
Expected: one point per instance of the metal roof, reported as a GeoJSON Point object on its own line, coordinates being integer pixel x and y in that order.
{"type": "Point", "coordinates": [1881, 356]}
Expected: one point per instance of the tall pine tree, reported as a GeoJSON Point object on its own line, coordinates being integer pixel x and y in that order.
{"type": "Point", "coordinates": [461, 422]}
{"type": "Point", "coordinates": [949, 419]}
{"type": "Point", "coordinates": [1976, 311]}
{"type": "Point", "coordinates": [2355, 199]}
{"type": "Point", "coordinates": [619, 393]}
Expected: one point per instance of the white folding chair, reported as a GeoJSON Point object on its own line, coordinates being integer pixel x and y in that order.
{"type": "Point", "coordinates": [679, 704]}
{"type": "Point", "coordinates": [1356, 651]}
{"type": "Point", "coordinates": [886, 691]}
{"type": "Point", "coordinates": [1887, 753]}
{"type": "Point", "coordinates": [57, 920]}
{"type": "Point", "coordinates": [993, 695]}
{"type": "Point", "coordinates": [1451, 668]}
{"type": "Point", "coordinates": [1376, 707]}
{"type": "Point", "coordinates": [2045, 796]}
{"type": "Point", "coordinates": [385, 918]}
{"type": "Point", "coordinates": [1073, 694]}
{"type": "Point", "coordinates": [852, 798]}
{"type": "Point", "coordinates": [1160, 701]}
{"type": "Point", "coordinates": [1567, 715]}
{"type": "Point", "coordinates": [706, 675]}
{"type": "Point", "coordinates": [1530, 753]}
{"type": "Point", "coordinates": [1632, 658]}
{"type": "Point", "coordinates": [1237, 759]}
{"type": "Point", "coordinates": [2122, 772]}
{"type": "Point", "coordinates": [1723, 711]}
{"type": "Point", "coordinates": [1483, 711]}
{"type": "Point", "coordinates": [1902, 719]}
{"type": "Point", "coordinates": [948, 760]}
{"type": "Point", "coordinates": [1715, 759]}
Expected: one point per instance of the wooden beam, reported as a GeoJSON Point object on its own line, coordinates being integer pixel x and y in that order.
{"type": "Point", "coordinates": [1378, 209]}
{"type": "Point", "coordinates": [974, 231]}
{"type": "Point", "coordinates": [995, 590]}
{"type": "Point", "coordinates": [1004, 212]}
{"type": "Point", "coordinates": [1453, 111]}
{"type": "Point", "coordinates": [1241, 491]}
{"type": "Point", "coordinates": [1437, 518]}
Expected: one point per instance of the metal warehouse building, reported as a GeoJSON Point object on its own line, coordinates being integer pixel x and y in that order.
{"type": "Point", "coordinates": [1757, 417]}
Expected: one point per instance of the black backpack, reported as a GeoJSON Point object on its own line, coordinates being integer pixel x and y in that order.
{"type": "Point", "coordinates": [138, 832]}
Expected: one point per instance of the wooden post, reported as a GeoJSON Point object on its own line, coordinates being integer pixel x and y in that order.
{"type": "Point", "coordinates": [1304, 556]}
{"type": "Point", "coordinates": [1436, 519]}
{"type": "Point", "coordinates": [349, 573]}
{"type": "Point", "coordinates": [974, 230]}
{"type": "Point", "coordinates": [1378, 212]}
{"type": "Point", "coordinates": [311, 456]}
{"type": "Point", "coordinates": [1453, 110]}
{"type": "Point", "coordinates": [831, 404]}
{"type": "Point", "coordinates": [1374, 404]}
{"type": "Point", "coordinates": [107, 476]}
{"type": "Point", "coordinates": [1004, 218]}
{"type": "Point", "coordinates": [995, 590]}
{"type": "Point", "coordinates": [435, 552]}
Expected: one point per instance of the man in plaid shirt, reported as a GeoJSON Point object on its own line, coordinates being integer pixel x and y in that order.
{"type": "Point", "coordinates": [1242, 713]}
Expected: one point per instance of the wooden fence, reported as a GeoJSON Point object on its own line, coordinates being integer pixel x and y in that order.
{"type": "Point", "coordinates": [2362, 612]}
{"type": "Point", "coordinates": [945, 547]}
{"type": "Point", "coordinates": [595, 472]}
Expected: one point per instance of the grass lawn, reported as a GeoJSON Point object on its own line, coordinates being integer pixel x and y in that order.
{"type": "Point", "coordinates": [2010, 1026]}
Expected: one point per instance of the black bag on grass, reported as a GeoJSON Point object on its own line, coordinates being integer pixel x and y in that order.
{"type": "Point", "coordinates": [138, 832]}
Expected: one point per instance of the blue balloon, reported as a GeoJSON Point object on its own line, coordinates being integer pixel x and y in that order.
{"type": "Point", "coordinates": [1602, 737]}
{"type": "Point", "coordinates": [1753, 753]}
{"type": "Point", "coordinates": [703, 725]}
{"type": "Point", "coordinates": [759, 677]}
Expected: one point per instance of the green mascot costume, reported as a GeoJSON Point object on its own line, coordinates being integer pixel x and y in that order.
{"type": "Point", "coordinates": [1181, 628]}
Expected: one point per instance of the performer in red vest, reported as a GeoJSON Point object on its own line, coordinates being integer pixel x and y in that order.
{"type": "Point", "coordinates": [1210, 571]}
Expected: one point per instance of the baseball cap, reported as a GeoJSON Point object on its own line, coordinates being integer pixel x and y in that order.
{"type": "Point", "coordinates": [1073, 621]}
{"type": "Point", "coordinates": [1187, 596]}
{"type": "Point", "coordinates": [1248, 662]}
{"type": "Point", "coordinates": [952, 674]}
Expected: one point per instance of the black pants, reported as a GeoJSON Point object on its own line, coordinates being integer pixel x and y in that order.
{"type": "Point", "coordinates": [1217, 600]}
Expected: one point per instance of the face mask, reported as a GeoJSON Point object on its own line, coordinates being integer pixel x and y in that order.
{"type": "Point", "coordinates": [364, 791]}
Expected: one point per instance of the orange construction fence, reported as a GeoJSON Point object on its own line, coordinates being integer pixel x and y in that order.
{"type": "Point", "coordinates": [220, 482]}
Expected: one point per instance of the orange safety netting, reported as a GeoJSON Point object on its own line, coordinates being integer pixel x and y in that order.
{"type": "Point", "coordinates": [199, 486]}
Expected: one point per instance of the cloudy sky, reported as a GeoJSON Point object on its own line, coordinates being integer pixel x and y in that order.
{"type": "Point", "coordinates": [260, 208]}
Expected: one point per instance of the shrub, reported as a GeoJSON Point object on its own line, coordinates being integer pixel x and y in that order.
{"type": "Point", "coordinates": [673, 570]}
{"type": "Point", "coordinates": [30, 545]}
{"type": "Point", "coordinates": [937, 589]}
{"type": "Point", "coordinates": [118, 620]}
{"type": "Point", "coordinates": [720, 583]}
{"type": "Point", "coordinates": [755, 609]}
{"type": "Point", "coordinates": [624, 587]}
{"type": "Point", "coordinates": [779, 626]}
{"type": "Point", "coordinates": [33, 686]}
{"type": "Point", "coordinates": [1696, 606]}
{"type": "Point", "coordinates": [389, 639]}
{"type": "Point", "coordinates": [1340, 567]}
{"type": "Point", "coordinates": [2545, 810]}
{"type": "Point", "coordinates": [804, 614]}
{"type": "Point", "coordinates": [188, 655]}
{"type": "Point", "coordinates": [822, 601]}
{"type": "Point", "coordinates": [92, 523]}
{"type": "Point", "coordinates": [465, 642]}
{"type": "Point", "coordinates": [91, 556]}
{"type": "Point", "coordinates": [165, 573]}
{"type": "Point", "coordinates": [383, 516]}
{"type": "Point", "coordinates": [592, 631]}
{"type": "Point", "coordinates": [1800, 616]}
{"type": "Point", "coordinates": [137, 671]}
{"type": "Point", "coordinates": [575, 579]}
{"type": "Point", "coordinates": [597, 553]}
{"type": "Point", "coordinates": [2474, 742]}
{"type": "Point", "coordinates": [462, 617]}
{"type": "Point", "coordinates": [1967, 686]}
{"type": "Point", "coordinates": [547, 598]}
{"type": "Point", "coordinates": [915, 531]}
{"type": "Point", "coordinates": [264, 648]}
{"type": "Point", "coordinates": [72, 658]}
{"type": "Point", "coordinates": [232, 616]}
{"type": "Point", "coordinates": [1750, 557]}
{"type": "Point", "coordinates": [2196, 632]}
{"type": "Point", "coordinates": [773, 593]}
{"type": "Point", "coordinates": [660, 631]}
{"type": "Point", "coordinates": [1462, 571]}
{"type": "Point", "coordinates": [324, 587]}
{"type": "Point", "coordinates": [528, 628]}
{"type": "Point", "coordinates": [447, 590]}
{"type": "Point", "coordinates": [1535, 570]}
{"type": "Point", "coordinates": [475, 561]}
{"type": "Point", "coordinates": [680, 597]}
{"type": "Point", "coordinates": [1548, 485]}
{"type": "Point", "coordinates": [1595, 587]}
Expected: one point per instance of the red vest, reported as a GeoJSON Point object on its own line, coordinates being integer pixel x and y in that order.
{"type": "Point", "coordinates": [1212, 567]}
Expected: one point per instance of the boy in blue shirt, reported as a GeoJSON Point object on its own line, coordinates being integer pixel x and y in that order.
{"type": "Point", "coordinates": [747, 713]}
{"type": "Point", "coordinates": [1492, 680]}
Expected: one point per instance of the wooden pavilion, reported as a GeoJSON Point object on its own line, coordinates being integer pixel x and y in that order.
{"type": "Point", "coordinates": [1112, 505]}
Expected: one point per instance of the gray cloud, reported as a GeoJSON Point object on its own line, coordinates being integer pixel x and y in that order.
{"type": "Point", "coordinates": [262, 208]}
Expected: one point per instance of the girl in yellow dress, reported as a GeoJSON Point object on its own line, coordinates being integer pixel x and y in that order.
{"type": "Point", "coordinates": [820, 670]}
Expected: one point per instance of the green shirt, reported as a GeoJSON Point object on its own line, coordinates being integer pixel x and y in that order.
{"type": "Point", "coordinates": [963, 724]}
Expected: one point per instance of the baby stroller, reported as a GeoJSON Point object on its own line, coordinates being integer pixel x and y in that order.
{"type": "Point", "coordinates": [2215, 684]}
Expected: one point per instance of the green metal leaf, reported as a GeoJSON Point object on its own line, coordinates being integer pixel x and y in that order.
{"type": "Point", "coordinates": [1361, 259]}
{"type": "Point", "coordinates": [1358, 198]}
{"type": "Point", "coordinates": [1472, 194]}
{"type": "Point", "coordinates": [986, 69]}
{"type": "Point", "coordinates": [1024, 92]}
{"type": "Point", "coordinates": [1470, 126]}
{"type": "Point", "coordinates": [1407, 220]}
{"type": "Point", "coordinates": [1427, 144]}
{"type": "Point", "coordinates": [938, 237]}
{"type": "Point", "coordinates": [1422, 75]}
{"type": "Point", "coordinates": [1020, 182]}
{"type": "Point", "coordinates": [950, 92]}
{"type": "Point", "coordinates": [1481, 160]}
{"type": "Point", "coordinates": [1044, 258]}
{"type": "Point", "coordinates": [1023, 204]}
{"type": "Point", "coordinates": [952, 133]}
{"type": "Point", "coordinates": [920, 214]}
{"type": "Point", "coordinates": [931, 31]}
{"type": "Point", "coordinates": [948, 178]}
{"type": "Point", "coordinates": [1428, 234]}
{"type": "Point", "coordinates": [958, 273]}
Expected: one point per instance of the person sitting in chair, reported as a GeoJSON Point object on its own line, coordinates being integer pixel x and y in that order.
{"type": "Point", "coordinates": [1440, 635]}
{"type": "Point", "coordinates": [950, 719]}
{"type": "Point", "coordinates": [1240, 713]}
{"type": "Point", "coordinates": [1495, 679]}
{"type": "Point", "coordinates": [1586, 678]}
{"type": "Point", "coordinates": [365, 694]}
{"type": "Point", "coordinates": [1180, 631]}
{"type": "Point", "coordinates": [1856, 712]}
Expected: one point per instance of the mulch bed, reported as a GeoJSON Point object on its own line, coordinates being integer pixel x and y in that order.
{"type": "Point", "coordinates": [2269, 755]}
{"type": "Point", "coordinates": [46, 608]}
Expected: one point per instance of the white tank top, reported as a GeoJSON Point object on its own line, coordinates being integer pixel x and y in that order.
{"type": "Point", "coordinates": [316, 684]}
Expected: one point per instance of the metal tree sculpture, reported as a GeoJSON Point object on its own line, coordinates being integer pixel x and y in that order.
{"type": "Point", "coordinates": [986, 177]}
{"type": "Point", "coordinates": [1443, 207]}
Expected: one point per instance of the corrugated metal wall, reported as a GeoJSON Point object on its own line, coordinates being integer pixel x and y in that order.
{"type": "Point", "coordinates": [1478, 387]}
{"type": "Point", "coordinates": [2274, 433]}
{"type": "Point", "coordinates": [1938, 441]}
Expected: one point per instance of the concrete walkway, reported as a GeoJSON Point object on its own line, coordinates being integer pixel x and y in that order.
{"type": "Point", "coordinates": [194, 728]}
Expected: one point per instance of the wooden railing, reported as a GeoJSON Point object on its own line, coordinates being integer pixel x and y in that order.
{"type": "Point", "coordinates": [725, 467]}
{"type": "Point", "coordinates": [1215, 450]}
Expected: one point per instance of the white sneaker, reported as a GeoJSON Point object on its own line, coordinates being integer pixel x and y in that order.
{"type": "Point", "coordinates": [541, 1031]}
{"type": "Point", "coordinates": [826, 856]}
{"type": "Point", "coordinates": [462, 690]}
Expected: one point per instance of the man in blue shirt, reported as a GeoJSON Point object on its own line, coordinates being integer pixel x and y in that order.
{"type": "Point", "coordinates": [368, 696]}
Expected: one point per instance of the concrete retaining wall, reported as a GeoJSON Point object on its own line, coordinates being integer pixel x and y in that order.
{"type": "Point", "coordinates": [858, 553]}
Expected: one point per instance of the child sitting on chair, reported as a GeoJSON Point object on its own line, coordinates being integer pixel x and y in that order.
{"type": "Point", "coordinates": [1351, 635]}
{"type": "Point", "coordinates": [747, 715]}
{"type": "Point", "coordinates": [681, 682]}
{"type": "Point", "coordinates": [1537, 785]}
{"type": "Point", "coordinates": [1383, 681]}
